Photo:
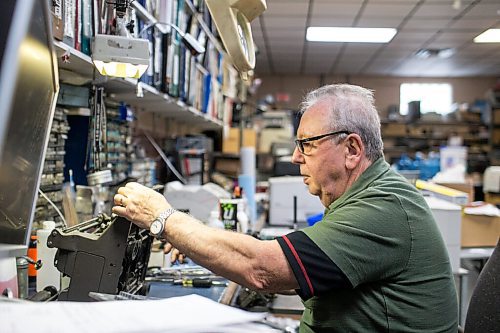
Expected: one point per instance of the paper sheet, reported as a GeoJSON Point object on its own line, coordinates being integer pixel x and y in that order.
{"type": "Point", "coordinates": [184, 314]}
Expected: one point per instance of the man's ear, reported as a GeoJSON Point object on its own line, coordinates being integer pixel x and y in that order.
{"type": "Point", "coordinates": [355, 151]}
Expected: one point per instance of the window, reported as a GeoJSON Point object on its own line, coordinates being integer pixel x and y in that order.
{"type": "Point", "coordinates": [433, 97]}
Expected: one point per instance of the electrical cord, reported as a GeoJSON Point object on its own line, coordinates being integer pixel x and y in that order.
{"type": "Point", "coordinates": [55, 207]}
{"type": "Point", "coordinates": [165, 159]}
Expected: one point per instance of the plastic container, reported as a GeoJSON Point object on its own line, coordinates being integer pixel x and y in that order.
{"type": "Point", "coordinates": [47, 275]}
{"type": "Point", "coordinates": [214, 220]}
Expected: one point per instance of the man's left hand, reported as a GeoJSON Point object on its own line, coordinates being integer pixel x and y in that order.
{"type": "Point", "coordinates": [139, 204]}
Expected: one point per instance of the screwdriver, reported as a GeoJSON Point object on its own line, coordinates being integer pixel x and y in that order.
{"type": "Point", "coordinates": [195, 282]}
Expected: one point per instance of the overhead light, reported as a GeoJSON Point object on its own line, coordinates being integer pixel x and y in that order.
{"type": "Point", "coordinates": [489, 36]}
{"type": "Point", "coordinates": [432, 53]}
{"type": "Point", "coordinates": [120, 56]}
{"type": "Point", "coordinates": [350, 35]}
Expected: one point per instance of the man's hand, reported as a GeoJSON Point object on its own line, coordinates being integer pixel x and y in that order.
{"type": "Point", "coordinates": [175, 255]}
{"type": "Point", "coordinates": [139, 204]}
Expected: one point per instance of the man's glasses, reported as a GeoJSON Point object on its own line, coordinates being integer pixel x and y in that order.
{"type": "Point", "coordinates": [303, 144]}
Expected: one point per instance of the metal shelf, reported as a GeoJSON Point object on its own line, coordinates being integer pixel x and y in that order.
{"type": "Point", "coordinates": [78, 67]}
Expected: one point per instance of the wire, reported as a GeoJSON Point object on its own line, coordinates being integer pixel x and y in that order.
{"type": "Point", "coordinates": [55, 207]}
{"type": "Point", "coordinates": [164, 158]}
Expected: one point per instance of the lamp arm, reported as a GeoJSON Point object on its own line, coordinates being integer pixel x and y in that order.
{"type": "Point", "coordinates": [173, 26]}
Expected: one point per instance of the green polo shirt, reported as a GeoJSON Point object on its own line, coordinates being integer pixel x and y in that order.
{"type": "Point", "coordinates": [382, 235]}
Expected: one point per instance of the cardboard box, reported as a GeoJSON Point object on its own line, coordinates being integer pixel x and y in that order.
{"type": "Point", "coordinates": [492, 198]}
{"type": "Point", "coordinates": [467, 187]}
{"type": "Point", "coordinates": [480, 230]}
{"type": "Point", "coordinates": [394, 129]}
{"type": "Point", "coordinates": [231, 143]}
{"type": "Point", "coordinates": [228, 166]}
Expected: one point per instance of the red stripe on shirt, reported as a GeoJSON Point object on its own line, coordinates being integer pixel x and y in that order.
{"type": "Point", "coordinates": [296, 255]}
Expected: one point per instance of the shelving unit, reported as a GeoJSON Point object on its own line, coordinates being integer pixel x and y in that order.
{"type": "Point", "coordinates": [426, 136]}
{"type": "Point", "coordinates": [126, 90]}
{"type": "Point", "coordinates": [495, 136]}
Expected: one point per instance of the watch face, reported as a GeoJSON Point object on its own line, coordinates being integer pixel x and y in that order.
{"type": "Point", "coordinates": [156, 227]}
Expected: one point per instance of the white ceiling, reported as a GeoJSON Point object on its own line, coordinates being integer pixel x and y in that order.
{"type": "Point", "coordinates": [280, 37]}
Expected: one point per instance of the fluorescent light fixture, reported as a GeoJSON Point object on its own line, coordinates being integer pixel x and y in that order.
{"type": "Point", "coordinates": [489, 36]}
{"type": "Point", "coordinates": [120, 56]}
{"type": "Point", "coordinates": [350, 35]}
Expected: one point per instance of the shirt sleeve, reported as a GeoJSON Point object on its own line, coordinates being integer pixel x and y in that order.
{"type": "Point", "coordinates": [315, 272]}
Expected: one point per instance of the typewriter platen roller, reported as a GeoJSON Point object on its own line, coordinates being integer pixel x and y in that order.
{"type": "Point", "coordinates": [104, 254]}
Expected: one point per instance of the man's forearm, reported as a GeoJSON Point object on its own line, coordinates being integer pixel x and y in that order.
{"type": "Point", "coordinates": [241, 258]}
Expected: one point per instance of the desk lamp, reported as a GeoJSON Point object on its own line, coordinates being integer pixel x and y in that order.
{"type": "Point", "coordinates": [120, 55]}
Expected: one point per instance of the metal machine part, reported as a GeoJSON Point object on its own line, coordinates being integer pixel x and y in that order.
{"type": "Point", "coordinates": [104, 254]}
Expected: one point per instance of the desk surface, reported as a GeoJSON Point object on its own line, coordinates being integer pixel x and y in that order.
{"type": "Point", "coordinates": [167, 290]}
{"type": "Point", "coordinates": [476, 253]}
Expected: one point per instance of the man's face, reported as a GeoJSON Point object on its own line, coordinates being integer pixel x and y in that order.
{"type": "Point", "coordinates": [322, 164]}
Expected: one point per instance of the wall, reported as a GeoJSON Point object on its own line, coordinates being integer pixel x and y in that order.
{"type": "Point", "coordinates": [386, 87]}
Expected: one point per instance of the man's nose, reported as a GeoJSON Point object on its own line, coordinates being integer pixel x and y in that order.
{"type": "Point", "coordinates": [297, 156]}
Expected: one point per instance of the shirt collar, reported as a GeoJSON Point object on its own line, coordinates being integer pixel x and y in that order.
{"type": "Point", "coordinates": [374, 171]}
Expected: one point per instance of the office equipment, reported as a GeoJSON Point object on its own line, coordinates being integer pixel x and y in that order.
{"type": "Point", "coordinates": [28, 91]}
{"type": "Point", "coordinates": [449, 220]}
{"type": "Point", "coordinates": [281, 193]}
{"type": "Point", "coordinates": [104, 254]}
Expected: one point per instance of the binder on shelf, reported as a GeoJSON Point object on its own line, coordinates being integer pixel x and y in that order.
{"type": "Point", "coordinates": [78, 25]}
{"type": "Point", "coordinates": [86, 26]}
{"type": "Point", "coordinates": [69, 22]}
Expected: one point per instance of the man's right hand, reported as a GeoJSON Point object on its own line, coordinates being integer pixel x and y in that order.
{"type": "Point", "coordinates": [175, 255]}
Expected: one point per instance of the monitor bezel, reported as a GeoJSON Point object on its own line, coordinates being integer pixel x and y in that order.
{"type": "Point", "coordinates": [19, 27]}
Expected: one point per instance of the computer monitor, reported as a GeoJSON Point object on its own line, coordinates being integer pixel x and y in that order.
{"type": "Point", "coordinates": [28, 94]}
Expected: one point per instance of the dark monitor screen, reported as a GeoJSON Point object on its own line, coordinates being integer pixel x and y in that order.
{"type": "Point", "coordinates": [28, 91]}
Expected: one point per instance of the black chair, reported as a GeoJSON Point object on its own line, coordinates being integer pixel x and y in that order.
{"type": "Point", "coordinates": [483, 315]}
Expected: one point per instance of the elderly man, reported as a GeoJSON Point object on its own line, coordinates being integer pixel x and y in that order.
{"type": "Point", "coordinates": [375, 263]}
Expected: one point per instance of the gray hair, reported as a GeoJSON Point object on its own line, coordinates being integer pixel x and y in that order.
{"type": "Point", "coordinates": [353, 110]}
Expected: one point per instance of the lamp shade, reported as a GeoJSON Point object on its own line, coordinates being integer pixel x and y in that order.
{"type": "Point", "coordinates": [120, 56]}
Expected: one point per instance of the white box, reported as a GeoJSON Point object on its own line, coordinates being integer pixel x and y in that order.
{"type": "Point", "coordinates": [448, 217]}
{"type": "Point", "coordinates": [281, 193]}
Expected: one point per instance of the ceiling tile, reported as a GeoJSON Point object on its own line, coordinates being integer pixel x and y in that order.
{"type": "Point", "coordinates": [286, 8]}
{"type": "Point", "coordinates": [387, 9]}
{"type": "Point", "coordinates": [288, 66]}
{"type": "Point", "coordinates": [431, 26]}
{"type": "Point", "coordinates": [326, 49]}
{"type": "Point", "coordinates": [349, 66]}
{"type": "Point", "coordinates": [491, 10]}
{"type": "Point", "coordinates": [316, 68]}
{"type": "Point", "coordinates": [414, 36]}
{"type": "Point", "coordinates": [379, 22]}
{"type": "Point", "coordinates": [293, 33]}
{"type": "Point", "coordinates": [331, 21]}
{"type": "Point", "coordinates": [426, 23]}
{"type": "Point", "coordinates": [436, 9]}
{"type": "Point", "coordinates": [285, 43]}
{"type": "Point", "coordinates": [390, 53]}
{"type": "Point", "coordinates": [336, 8]}
{"type": "Point", "coordinates": [284, 22]}
{"type": "Point", "coordinates": [474, 23]}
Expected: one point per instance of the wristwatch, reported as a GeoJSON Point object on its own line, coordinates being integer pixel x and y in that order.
{"type": "Point", "coordinates": [156, 228]}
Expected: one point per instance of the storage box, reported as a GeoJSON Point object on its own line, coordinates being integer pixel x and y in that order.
{"type": "Point", "coordinates": [231, 143]}
{"type": "Point", "coordinates": [480, 230]}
